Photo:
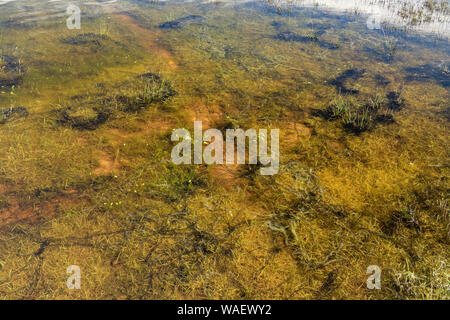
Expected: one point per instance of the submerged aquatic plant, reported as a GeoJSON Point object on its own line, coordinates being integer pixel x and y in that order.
{"type": "Point", "coordinates": [11, 71]}
{"type": "Point", "coordinates": [147, 90]}
{"type": "Point", "coordinates": [390, 47]}
{"type": "Point", "coordinates": [139, 94]}
{"type": "Point", "coordinates": [157, 90]}
{"type": "Point", "coordinates": [86, 38]}
{"type": "Point", "coordinates": [358, 120]}
{"type": "Point", "coordinates": [395, 100]}
{"type": "Point", "coordinates": [13, 112]}
{"type": "Point", "coordinates": [339, 107]}
{"type": "Point", "coordinates": [87, 117]}
{"type": "Point", "coordinates": [431, 282]}
{"type": "Point", "coordinates": [376, 102]}
{"type": "Point", "coordinates": [359, 116]}
{"type": "Point", "coordinates": [197, 232]}
{"type": "Point", "coordinates": [182, 22]}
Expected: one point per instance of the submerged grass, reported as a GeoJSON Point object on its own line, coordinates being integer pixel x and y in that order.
{"type": "Point", "coordinates": [109, 200]}
{"type": "Point", "coordinates": [359, 116]}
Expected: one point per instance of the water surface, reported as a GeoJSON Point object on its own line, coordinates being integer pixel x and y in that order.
{"type": "Point", "coordinates": [360, 93]}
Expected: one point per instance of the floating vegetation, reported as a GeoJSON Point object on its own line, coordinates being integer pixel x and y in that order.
{"type": "Point", "coordinates": [182, 22]}
{"type": "Point", "coordinates": [12, 113]}
{"type": "Point", "coordinates": [11, 71]}
{"type": "Point", "coordinates": [341, 81]}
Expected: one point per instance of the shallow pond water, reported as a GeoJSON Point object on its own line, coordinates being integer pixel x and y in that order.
{"type": "Point", "coordinates": [358, 89]}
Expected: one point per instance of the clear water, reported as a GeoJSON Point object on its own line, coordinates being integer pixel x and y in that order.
{"type": "Point", "coordinates": [359, 90]}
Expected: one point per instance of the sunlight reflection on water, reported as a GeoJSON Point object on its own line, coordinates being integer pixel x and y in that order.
{"type": "Point", "coordinates": [414, 15]}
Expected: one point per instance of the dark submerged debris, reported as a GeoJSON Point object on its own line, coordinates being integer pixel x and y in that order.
{"type": "Point", "coordinates": [204, 242]}
{"type": "Point", "coordinates": [182, 22]}
{"type": "Point", "coordinates": [320, 27]}
{"type": "Point", "coordinates": [446, 113]}
{"type": "Point", "coordinates": [18, 24]}
{"type": "Point", "coordinates": [150, 75]}
{"type": "Point", "coordinates": [381, 80]}
{"type": "Point", "coordinates": [4, 204]}
{"type": "Point", "coordinates": [395, 100]}
{"type": "Point", "coordinates": [86, 39]}
{"type": "Point", "coordinates": [10, 63]}
{"type": "Point", "coordinates": [12, 113]}
{"type": "Point", "coordinates": [278, 24]}
{"type": "Point", "coordinates": [350, 74]}
{"type": "Point", "coordinates": [85, 117]}
{"type": "Point", "coordinates": [403, 218]}
{"type": "Point", "coordinates": [291, 36]}
{"type": "Point", "coordinates": [427, 72]}
{"type": "Point", "coordinates": [42, 248]}
{"type": "Point", "coordinates": [329, 284]}
{"type": "Point", "coordinates": [11, 71]}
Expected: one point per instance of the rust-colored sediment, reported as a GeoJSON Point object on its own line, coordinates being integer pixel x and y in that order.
{"type": "Point", "coordinates": [17, 212]}
{"type": "Point", "coordinates": [147, 38]}
{"type": "Point", "coordinates": [107, 164]}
